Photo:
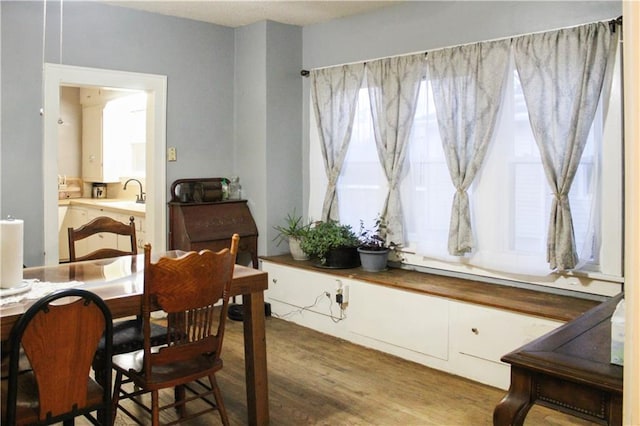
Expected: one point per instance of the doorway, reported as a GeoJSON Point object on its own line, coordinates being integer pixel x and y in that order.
{"type": "Point", "coordinates": [155, 87]}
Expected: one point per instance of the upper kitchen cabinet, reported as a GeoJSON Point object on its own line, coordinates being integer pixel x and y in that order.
{"type": "Point", "coordinates": [113, 135]}
{"type": "Point", "coordinates": [99, 163]}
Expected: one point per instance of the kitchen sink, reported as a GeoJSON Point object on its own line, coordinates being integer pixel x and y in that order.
{"type": "Point", "coordinates": [128, 205]}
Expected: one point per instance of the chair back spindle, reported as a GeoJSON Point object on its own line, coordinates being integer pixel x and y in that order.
{"type": "Point", "coordinates": [188, 290]}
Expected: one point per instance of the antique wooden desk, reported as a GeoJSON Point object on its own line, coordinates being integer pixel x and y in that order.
{"type": "Point", "coordinates": [119, 282]}
{"type": "Point", "coordinates": [568, 370]}
{"type": "Point", "coordinates": [200, 219]}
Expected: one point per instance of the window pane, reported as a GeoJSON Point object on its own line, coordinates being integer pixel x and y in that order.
{"type": "Point", "coordinates": [427, 191]}
{"type": "Point", "coordinates": [530, 191]}
{"type": "Point", "coordinates": [125, 126]}
{"type": "Point", "coordinates": [362, 186]}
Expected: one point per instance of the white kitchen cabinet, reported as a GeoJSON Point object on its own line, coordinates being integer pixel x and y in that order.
{"type": "Point", "coordinates": [141, 238]}
{"type": "Point", "coordinates": [465, 339]}
{"type": "Point", "coordinates": [99, 160]}
{"type": "Point", "coordinates": [77, 216]}
{"type": "Point", "coordinates": [122, 242]}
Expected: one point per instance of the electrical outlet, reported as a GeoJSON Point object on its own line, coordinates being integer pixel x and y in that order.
{"type": "Point", "coordinates": [342, 295]}
{"type": "Point", "coordinates": [345, 296]}
{"type": "Point", "coordinates": [172, 154]}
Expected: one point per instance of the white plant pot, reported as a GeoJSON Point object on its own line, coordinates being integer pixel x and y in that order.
{"type": "Point", "coordinates": [296, 252]}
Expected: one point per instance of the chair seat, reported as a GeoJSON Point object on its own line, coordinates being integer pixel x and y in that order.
{"type": "Point", "coordinates": [128, 337]}
{"type": "Point", "coordinates": [176, 373]}
{"type": "Point", "coordinates": [27, 400]}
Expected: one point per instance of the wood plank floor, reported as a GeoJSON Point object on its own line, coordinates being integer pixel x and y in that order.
{"type": "Point", "coordinates": [315, 379]}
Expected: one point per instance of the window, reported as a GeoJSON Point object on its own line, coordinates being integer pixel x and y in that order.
{"type": "Point", "coordinates": [125, 121]}
{"type": "Point", "coordinates": [510, 199]}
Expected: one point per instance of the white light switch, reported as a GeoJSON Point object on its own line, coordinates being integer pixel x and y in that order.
{"type": "Point", "coordinates": [172, 154]}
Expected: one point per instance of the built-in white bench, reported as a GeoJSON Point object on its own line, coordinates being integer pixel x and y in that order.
{"type": "Point", "coordinates": [452, 324]}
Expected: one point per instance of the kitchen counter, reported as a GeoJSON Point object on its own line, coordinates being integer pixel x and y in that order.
{"type": "Point", "coordinates": [110, 204]}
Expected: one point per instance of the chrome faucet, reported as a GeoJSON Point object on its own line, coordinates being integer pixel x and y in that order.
{"type": "Point", "coordinates": [139, 198]}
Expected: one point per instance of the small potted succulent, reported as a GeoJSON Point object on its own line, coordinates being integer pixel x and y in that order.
{"type": "Point", "coordinates": [293, 231]}
{"type": "Point", "coordinates": [334, 245]}
{"type": "Point", "coordinates": [373, 248]}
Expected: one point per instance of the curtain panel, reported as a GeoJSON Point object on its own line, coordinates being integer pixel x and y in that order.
{"type": "Point", "coordinates": [563, 75]}
{"type": "Point", "coordinates": [394, 85]}
{"type": "Point", "coordinates": [334, 95]}
{"type": "Point", "coordinates": [467, 83]}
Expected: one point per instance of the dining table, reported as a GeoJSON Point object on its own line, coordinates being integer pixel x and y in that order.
{"type": "Point", "coordinates": [120, 281]}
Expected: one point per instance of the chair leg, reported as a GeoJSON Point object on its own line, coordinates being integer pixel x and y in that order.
{"type": "Point", "coordinates": [155, 411]}
{"type": "Point", "coordinates": [179, 396]}
{"type": "Point", "coordinates": [99, 373]}
{"type": "Point", "coordinates": [116, 397]}
{"type": "Point", "coordinates": [218, 396]}
{"type": "Point", "coordinates": [100, 377]}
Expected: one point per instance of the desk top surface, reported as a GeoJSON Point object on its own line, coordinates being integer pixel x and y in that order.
{"type": "Point", "coordinates": [578, 351]}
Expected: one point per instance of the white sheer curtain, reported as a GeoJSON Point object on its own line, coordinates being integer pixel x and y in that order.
{"type": "Point", "coordinates": [562, 74]}
{"type": "Point", "coordinates": [394, 84]}
{"type": "Point", "coordinates": [334, 93]}
{"type": "Point", "coordinates": [467, 84]}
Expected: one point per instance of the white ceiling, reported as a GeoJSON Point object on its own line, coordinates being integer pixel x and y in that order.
{"type": "Point", "coordinates": [243, 12]}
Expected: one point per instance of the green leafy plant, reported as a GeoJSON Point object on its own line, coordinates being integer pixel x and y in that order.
{"type": "Point", "coordinates": [294, 227]}
{"type": "Point", "coordinates": [375, 238]}
{"type": "Point", "coordinates": [325, 236]}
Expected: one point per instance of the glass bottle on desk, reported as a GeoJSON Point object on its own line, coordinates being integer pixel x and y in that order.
{"type": "Point", "coordinates": [234, 188]}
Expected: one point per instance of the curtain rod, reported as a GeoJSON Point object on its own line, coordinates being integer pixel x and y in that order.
{"type": "Point", "coordinates": [613, 22]}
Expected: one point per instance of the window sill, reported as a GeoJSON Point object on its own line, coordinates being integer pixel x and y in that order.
{"type": "Point", "coordinates": [543, 304]}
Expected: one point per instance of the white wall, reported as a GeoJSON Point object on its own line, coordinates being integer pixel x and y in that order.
{"type": "Point", "coordinates": [196, 57]}
{"type": "Point", "coordinates": [268, 91]}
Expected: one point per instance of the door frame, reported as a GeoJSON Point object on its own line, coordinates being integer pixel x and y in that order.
{"type": "Point", "coordinates": [56, 75]}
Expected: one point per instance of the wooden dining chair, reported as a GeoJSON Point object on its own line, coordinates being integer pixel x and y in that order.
{"type": "Point", "coordinates": [59, 335]}
{"type": "Point", "coordinates": [100, 225]}
{"type": "Point", "coordinates": [194, 292]}
{"type": "Point", "coordinates": [127, 334]}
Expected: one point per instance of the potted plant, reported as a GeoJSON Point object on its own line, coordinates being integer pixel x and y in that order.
{"type": "Point", "coordinates": [333, 244]}
{"type": "Point", "coordinates": [373, 248]}
{"type": "Point", "coordinates": [293, 231]}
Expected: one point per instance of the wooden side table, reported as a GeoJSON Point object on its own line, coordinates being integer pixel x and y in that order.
{"type": "Point", "coordinates": [568, 370]}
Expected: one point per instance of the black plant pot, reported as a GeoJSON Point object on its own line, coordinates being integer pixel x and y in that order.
{"type": "Point", "coordinates": [341, 258]}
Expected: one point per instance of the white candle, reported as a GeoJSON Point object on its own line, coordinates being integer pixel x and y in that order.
{"type": "Point", "coordinates": [11, 252]}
